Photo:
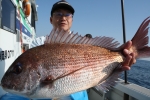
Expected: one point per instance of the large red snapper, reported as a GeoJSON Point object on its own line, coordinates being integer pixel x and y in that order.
{"type": "Point", "coordinates": [69, 63]}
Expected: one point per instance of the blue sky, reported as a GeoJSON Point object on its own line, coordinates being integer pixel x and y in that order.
{"type": "Point", "coordinates": [97, 17]}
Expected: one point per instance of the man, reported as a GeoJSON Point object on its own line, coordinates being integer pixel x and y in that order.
{"type": "Point", "coordinates": [61, 17]}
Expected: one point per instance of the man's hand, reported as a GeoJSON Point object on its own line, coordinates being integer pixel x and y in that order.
{"type": "Point", "coordinates": [129, 56]}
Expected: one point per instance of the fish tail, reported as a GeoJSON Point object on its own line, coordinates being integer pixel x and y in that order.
{"type": "Point", "coordinates": [140, 40]}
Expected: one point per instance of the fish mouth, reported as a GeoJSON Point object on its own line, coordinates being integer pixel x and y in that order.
{"type": "Point", "coordinates": [14, 87]}
{"type": "Point", "coordinates": [10, 90]}
{"type": "Point", "coordinates": [15, 90]}
{"type": "Point", "coordinates": [21, 93]}
{"type": "Point", "coordinates": [9, 87]}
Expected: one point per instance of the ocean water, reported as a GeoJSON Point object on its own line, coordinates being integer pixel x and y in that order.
{"type": "Point", "coordinates": [139, 73]}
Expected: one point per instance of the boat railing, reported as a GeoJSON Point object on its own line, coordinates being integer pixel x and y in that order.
{"type": "Point", "coordinates": [117, 92]}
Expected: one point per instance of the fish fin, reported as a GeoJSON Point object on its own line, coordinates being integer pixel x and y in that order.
{"type": "Point", "coordinates": [48, 80]}
{"type": "Point", "coordinates": [62, 36]}
{"type": "Point", "coordinates": [107, 84]}
{"type": "Point", "coordinates": [140, 40]}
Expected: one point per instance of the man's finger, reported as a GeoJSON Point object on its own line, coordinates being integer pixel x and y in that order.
{"type": "Point", "coordinates": [126, 52]}
{"type": "Point", "coordinates": [125, 68]}
{"type": "Point", "coordinates": [127, 61]}
{"type": "Point", "coordinates": [133, 60]}
{"type": "Point", "coordinates": [127, 45]}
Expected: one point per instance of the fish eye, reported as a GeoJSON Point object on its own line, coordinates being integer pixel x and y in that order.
{"type": "Point", "coordinates": [18, 68]}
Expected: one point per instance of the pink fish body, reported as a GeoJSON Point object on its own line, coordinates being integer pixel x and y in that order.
{"type": "Point", "coordinates": [69, 63]}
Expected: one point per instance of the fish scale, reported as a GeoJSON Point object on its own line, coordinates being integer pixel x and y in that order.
{"type": "Point", "coordinates": [76, 62]}
{"type": "Point", "coordinates": [62, 66]}
{"type": "Point", "coordinates": [70, 61]}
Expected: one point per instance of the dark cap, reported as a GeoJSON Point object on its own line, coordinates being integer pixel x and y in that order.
{"type": "Point", "coordinates": [62, 4]}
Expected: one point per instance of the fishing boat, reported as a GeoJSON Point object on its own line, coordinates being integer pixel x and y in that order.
{"type": "Point", "coordinates": [17, 30]}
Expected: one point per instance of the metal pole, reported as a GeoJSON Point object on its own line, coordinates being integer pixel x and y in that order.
{"type": "Point", "coordinates": [124, 32]}
{"type": "Point", "coordinates": [126, 96]}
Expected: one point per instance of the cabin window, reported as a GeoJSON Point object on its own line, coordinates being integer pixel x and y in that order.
{"type": "Point", "coordinates": [8, 15]}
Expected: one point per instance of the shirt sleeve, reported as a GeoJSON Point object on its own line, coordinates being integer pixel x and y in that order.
{"type": "Point", "coordinates": [38, 41]}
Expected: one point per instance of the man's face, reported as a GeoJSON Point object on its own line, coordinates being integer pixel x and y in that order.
{"type": "Point", "coordinates": [62, 19]}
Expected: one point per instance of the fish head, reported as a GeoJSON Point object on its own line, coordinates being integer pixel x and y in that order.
{"type": "Point", "coordinates": [22, 76]}
{"type": "Point", "coordinates": [32, 75]}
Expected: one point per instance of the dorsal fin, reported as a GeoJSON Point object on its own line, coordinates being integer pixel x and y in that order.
{"type": "Point", "coordinates": [61, 36]}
